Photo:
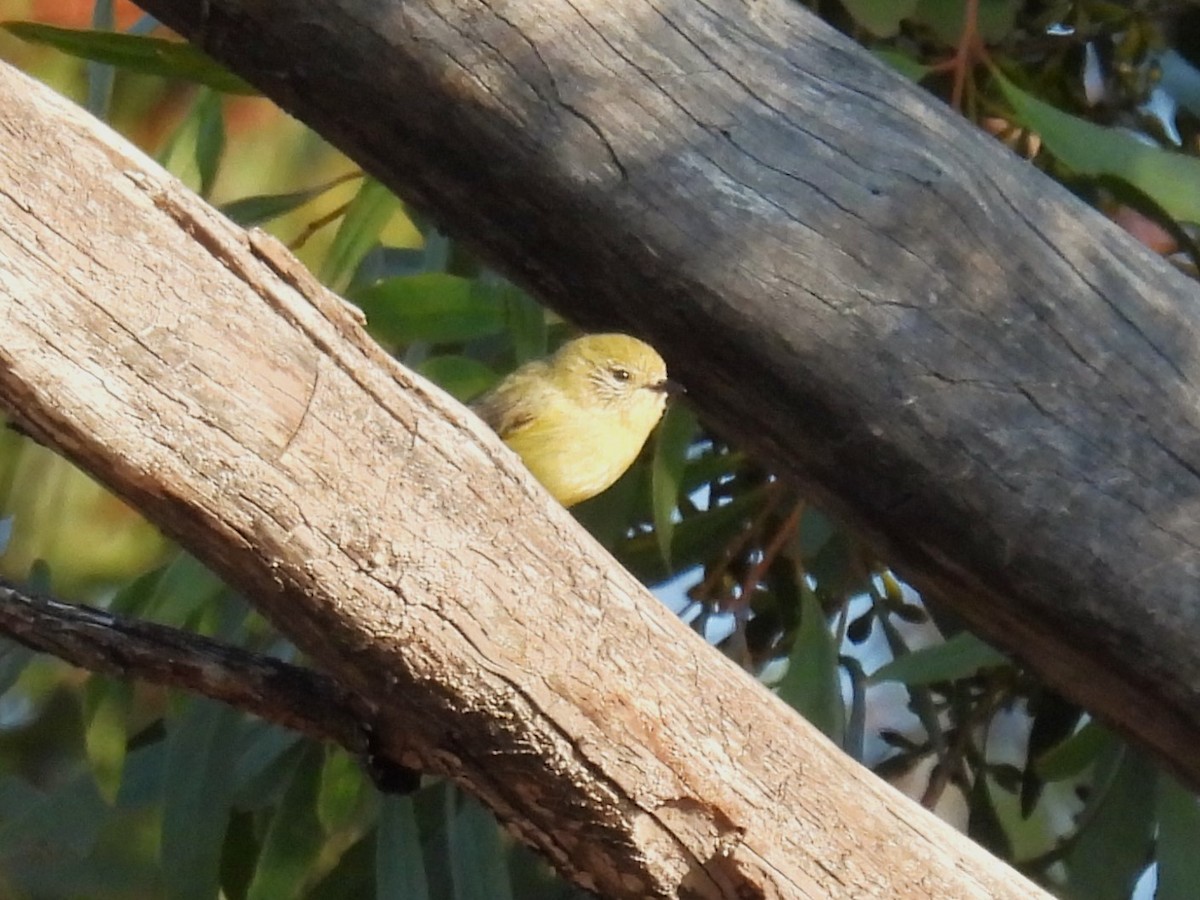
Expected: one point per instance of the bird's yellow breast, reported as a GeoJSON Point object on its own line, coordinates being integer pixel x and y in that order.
{"type": "Point", "coordinates": [583, 453]}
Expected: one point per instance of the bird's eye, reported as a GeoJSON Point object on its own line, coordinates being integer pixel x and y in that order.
{"type": "Point", "coordinates": [619, 373]}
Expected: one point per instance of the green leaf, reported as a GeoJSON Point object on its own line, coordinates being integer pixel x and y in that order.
{"type": "Point", "coordinates": [193, 151]}
{"type": "Point", "coordinates": [294, 836]}
{"type": "Point", "coordinates": [902, 63]}
{"type": "Point", "coordinates": [460, 376]}
{"type": "Point", "coordinates": [984, 825]}
{"type": "Point", "coordinates": [183, 587]}
{"type": "Point", "coordinates": [694, 539]}
{"type": "Point", "coordinates": [854, 739]}
{"type": "Point", "coordinates": [526, 323]}
{"type": "Point", "coordinates": [1074, 755]}
{"type": "Point", "coordinates": [674, 436]}
{"type": "Point", "coordinates": [812, 685]}
{"type": "Point", "coordinates": [946, 18]}
{"type": "Point", "coordinates": [264, 207]}
{"type": "Point", "coordinates": [1178, 814]}
{"type": "Point", "coordinates": [13, 660]}
{"type": "Point", "coordinates": [432, 306]}
{"type": "Point", "coordinates": [145, 55]}
{"type": "Point", "coordinates": [210, 139]}
{"type": "Point", "coordinates": [353, 876]}
{"type": "Point", "coordinates": [101, 76]}
{"type": "Point", "coordinates": [1111, 851]}
{"type": "Point", "coordinates": [478, 862]}
{"type": "Point", "coordinates": [106, 707]}
{"type": "Point", "coordinates": [1171, 180]}
{"type": "Point", "coordinates": [342, 793]}
{"type": "Point", "coordinates": [265, 756]}
{"type": "Point", "coordinates": [959, 657]}
{"type": "Point", "coordinates": [1054, 721]}
{"type": "Point", "coordinates": [199, 772]}
{"type": "Point", "coordinates": [239, 855]}
{"type": "Point", "coordinates": [880, 17]}
{"type": "Point", "coordinates": [399, 863]}
{"type": "Point", "coordinates": [366, 217]}
{"type": "Point", "coordinates": [64, 821]}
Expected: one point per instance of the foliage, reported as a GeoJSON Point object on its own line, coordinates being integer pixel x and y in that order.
{"type": "Point", "coordinates": [116, 790]}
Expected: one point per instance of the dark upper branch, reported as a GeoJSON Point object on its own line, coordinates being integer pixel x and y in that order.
{"type": "Point", "coordinates": [942, 345]}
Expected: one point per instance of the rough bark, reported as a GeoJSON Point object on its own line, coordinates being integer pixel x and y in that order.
{"type": "Point", "coordinates": [942, 346]}
{"type": "Point", "coordinates": [202, 375]}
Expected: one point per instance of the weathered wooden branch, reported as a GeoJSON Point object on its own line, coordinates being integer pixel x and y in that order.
{"type": "Point", "coordinates": [203, 375]}
{"type": "Point", "coordinates": [945, 348]}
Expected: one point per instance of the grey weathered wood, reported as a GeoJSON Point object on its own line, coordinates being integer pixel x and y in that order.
{"type": "Point", "coordinates": [940, 344]}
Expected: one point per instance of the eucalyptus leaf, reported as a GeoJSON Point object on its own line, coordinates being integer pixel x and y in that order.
{"type": "Point", "coordinates": [812, 685]}
{"type": "Point", "coordinates": [107, 705]}
{"type": "Point", "coordinates": [365, 218]}
{"type": "Point", "coordinates": [460, 376]}
{"type": "Point", "coordinates": [672, 440]}
{"type": "Point", "coordinates": [399, 862]}
{"type": "Point", "coordinates": [135, 53]}
{"type": "Point", "coordinates": [1111, 852]}
{"type": "Point", "coordinates": [1171, 180]}
{"type": "Point", "coordinates": [1073, 756]}
{"type": "Point", "coordinates": [959, 657]}
{"type": "Point", "coordinates": [880, 17]}
{"type": "Point", "coordinates": [433, 306]}
{"type": "Point", "coordinates": [196, 793]}
{"type": "Point", "coordinates": [294, 836]}
{"type": "Point", "coordinates": [1178, 814]}
{"type": "Point", "coordinates": [478, 861]}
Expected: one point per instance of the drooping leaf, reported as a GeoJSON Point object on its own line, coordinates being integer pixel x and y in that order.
{"type": "Point", "coordinates": [196, 789]}
{"type": "Point", "coordinates": [294, 836]}
{"type": "Point", "coordinates": [432, 306]}
{"type": "Point", "coordinates": [6, 529]}
{"type": "Point", "coordinates": [365, 218]}
{"type": "Point", "coordinates": [264, 207]}
{"type": "Point", "coordinates": [1171, 180]}
{"type": "Point", "coordinates": [673, 438]}
{"type": "Point", "coordinates": [1178, 815]}
{"type": "Point", "coordinates": [1054, 720]}
{"type": "Point", "coordinates": [460, 376]}
{"type": "Point", "coordinates": [399, 862]}
{"type": "Point", "coordinates": [983, 823]}
{"type": "Point", "coordinates": [880, 17]}
{"type": "Point", "coordinates": [960, 656]}
{"type": "Point", "coordinates": [106, 706]}
{"type": "Point", "coordinates": [1074, 755]}
{"type": "Point", "coordinates": [354, 876]}
{"type": "Point", "coordinates": [995, 18]}
{"type": "Point", "coordinates": [812, 685]}
{"type": "Point", "coordinates": [62, 823]}
{"type": "Point", "coordinates": [1112, 851]}
{"type": "Point", "coordinates": [146, 55]}
{"type": "Point", "coordinates": [526, 320]}
{"type": "Point", "coordinates": [854, 740]}
{"type": "Point", "coordinates": [101, 76]}
{"type": "Point", "coordinates": [478, 861]}
{"type": "Point", "coordinates": [342, 792]}
{"type": "Point", "coordinates": [210, 139]}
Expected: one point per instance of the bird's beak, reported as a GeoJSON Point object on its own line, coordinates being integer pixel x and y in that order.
{"type": "Point", "coordinates": [670, 388]}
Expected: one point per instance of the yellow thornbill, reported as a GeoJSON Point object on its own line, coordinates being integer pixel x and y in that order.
{"type": "Point", "coordinates": [579, 418]}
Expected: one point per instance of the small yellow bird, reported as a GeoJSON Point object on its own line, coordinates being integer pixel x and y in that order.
{"type": "Point", "coordinates": [579, 418]}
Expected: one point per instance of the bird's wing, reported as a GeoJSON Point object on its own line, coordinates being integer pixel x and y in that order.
{"type": "Point", "coordinates": [508, 408]}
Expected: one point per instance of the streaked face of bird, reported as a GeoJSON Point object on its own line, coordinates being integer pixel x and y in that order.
{"type": "Point", "coordinates": [614, 374]}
